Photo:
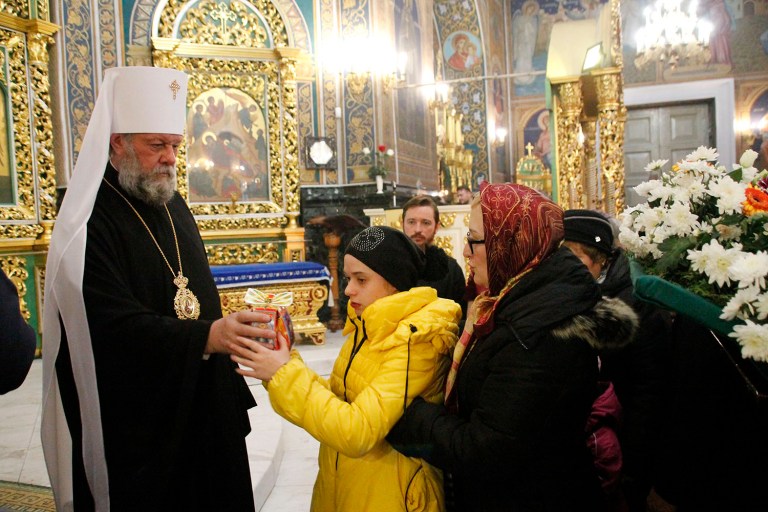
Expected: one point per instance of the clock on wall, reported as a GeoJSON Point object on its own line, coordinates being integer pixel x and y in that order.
{"type": "Point", "coordinates": [320, 152]}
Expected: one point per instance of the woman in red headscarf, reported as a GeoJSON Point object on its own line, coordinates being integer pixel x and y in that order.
{"type": "Point", "coordinates": [510, 436]}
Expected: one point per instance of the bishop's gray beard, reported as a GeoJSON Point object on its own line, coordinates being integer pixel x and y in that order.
{"type": "Point", "coordinates": [148, 186]}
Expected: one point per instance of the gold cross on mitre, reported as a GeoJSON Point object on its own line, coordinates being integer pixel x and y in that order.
{"type": "Point", "coordinates": [175, 88]}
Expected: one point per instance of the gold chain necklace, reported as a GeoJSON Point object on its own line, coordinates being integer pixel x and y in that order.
{"type": "Point", "coordinates": [185, 303]}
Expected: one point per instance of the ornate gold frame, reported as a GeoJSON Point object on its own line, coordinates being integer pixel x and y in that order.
{"type": "Point", "coordinates": [24, 59]}
{"type": "Point", "coordinates": [217, 58]}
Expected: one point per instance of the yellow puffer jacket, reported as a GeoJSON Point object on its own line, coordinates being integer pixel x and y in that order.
{"type": "Point", "coordinates": [403, 341]}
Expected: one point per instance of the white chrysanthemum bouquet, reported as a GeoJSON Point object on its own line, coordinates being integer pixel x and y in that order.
{"type": "Point", "coordinates": [705, 227]}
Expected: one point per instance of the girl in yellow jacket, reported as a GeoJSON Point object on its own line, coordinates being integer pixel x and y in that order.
{"type": "Point", "coordinates": [398, 347]}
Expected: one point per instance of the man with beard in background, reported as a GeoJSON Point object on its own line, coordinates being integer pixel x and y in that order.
{"type": "Point", "coordinates": [143, 409]}
{"type": "Point", "coordinates": [421, 220]}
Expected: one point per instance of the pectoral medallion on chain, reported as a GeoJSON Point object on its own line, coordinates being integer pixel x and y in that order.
{"type": "Point", "coordinates": [185, 303]}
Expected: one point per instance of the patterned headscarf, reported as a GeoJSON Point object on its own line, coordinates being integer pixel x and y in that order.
{"type": "Point", "coordinates": [522, 227]}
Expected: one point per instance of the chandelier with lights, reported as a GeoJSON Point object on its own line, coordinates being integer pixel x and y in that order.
{"type": "Point", "coordinates": [673, 36]}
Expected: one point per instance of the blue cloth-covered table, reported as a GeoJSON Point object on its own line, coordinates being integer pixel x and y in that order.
{"type": "Point", "coordinates": [228, 276]}
{"type": "Point", "coordinates": [308, 281]}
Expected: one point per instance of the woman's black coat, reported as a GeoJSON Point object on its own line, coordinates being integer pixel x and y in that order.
{"type": "Point", "coordinates": [517, 441]}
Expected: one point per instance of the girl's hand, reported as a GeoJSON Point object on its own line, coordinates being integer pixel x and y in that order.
{"type": "Point", "coordinates": [261, 362]}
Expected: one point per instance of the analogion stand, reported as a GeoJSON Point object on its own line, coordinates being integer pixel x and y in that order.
{"type": "Point", "coordinates": [307, 280]}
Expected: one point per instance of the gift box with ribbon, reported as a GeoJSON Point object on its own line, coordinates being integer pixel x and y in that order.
{"type": "Point", "coordinates": [276, 306]}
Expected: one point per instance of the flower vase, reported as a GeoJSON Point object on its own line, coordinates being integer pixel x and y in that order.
{"type": "Point", "coordinates": [379, 184]}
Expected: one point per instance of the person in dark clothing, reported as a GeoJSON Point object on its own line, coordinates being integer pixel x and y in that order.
{"type": "Point", "coordinates": [17, 339]}
{"type": "Point", "coordinates": [136, 352]}
{"type": "Point", "coordinates": [421, 220]}
{"type": "Point", "coordinates": [525, 372]}
{"type": "Point", "coordinates": [641, 372]}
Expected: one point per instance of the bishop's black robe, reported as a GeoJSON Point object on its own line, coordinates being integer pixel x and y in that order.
{"type": "Point", "coordinates": [174, 424]}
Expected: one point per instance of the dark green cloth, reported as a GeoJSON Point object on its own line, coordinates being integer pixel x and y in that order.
{"type": "Point", "coordinates": [671, 296]}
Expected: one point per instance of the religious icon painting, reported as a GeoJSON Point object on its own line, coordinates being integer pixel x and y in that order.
{"type": "Point", "coordinates": [462, 51]}
{"type": "Point", "coordinates": [227, 147]}
{"type": "Point", "coordinates": [536, 133]}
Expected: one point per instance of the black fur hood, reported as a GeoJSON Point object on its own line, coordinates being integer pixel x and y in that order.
{"type": "Point", "coordinates": [610, 325]}
{"type": "Point", "coordinates": [560, 296]}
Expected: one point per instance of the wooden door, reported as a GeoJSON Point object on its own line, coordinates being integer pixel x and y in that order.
{"type": "Point", "coordinates": [663, 132]}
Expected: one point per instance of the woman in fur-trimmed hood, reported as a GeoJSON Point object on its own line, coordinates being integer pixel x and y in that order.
{"type": "Point", "coordinates": [510, 436]}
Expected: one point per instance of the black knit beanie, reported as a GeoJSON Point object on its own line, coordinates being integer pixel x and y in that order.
{"type": "Point", "coordinates": [389, 253]}
{"type": "Point", "coordinates": [589, 228]}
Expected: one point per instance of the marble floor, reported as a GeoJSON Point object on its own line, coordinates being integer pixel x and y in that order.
{"type": "Point", "coordinates": [283, 457]}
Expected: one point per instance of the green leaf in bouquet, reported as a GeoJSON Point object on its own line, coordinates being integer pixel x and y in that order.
{"type": "Point", "coordinates": [731, 219]}
{"type": "Point", "coordinates": [736, 174]}
{"type": "Point", "coordinates": [674, 249]}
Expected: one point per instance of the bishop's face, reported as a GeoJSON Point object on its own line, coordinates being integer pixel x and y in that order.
{"type": "Point", "coordinates": [146, 164]}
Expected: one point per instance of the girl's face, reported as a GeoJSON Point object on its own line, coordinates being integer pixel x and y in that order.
{"type": "Point", "coordinates": [364, 286]}
{"type": "Point", "coordinates": [475, 252]}
{"type": "Point", "coordinates": [594, 266]}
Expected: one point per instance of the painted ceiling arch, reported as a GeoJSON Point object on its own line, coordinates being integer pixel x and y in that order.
{"type": "Point", "coordinates": [144, 11]}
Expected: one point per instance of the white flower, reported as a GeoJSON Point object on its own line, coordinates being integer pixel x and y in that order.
{"type": "Point", "coordinates": [656, 165]}
{"type": "Point", "coordinates": [632, 241]}
{"type": "Point", "coordinates": [749, 269]}
{"type": "Point", "coordinates": [748, 174]}
{"type": "Point", "coordinates": [748, 158]}
{"type": "Point", "coordinates": [729, 194]}
{"type": "Point", "coordinates": [753, 339]}
{"type": "Point", "coordinates": [648, 218]}
{"type": "Point", "coordinates": [680, 220]}
{"type": "Point", "coordinates": [761, 304]}
{"type": "Point", "coordinates": [688, 184]}
{"type": "Point", "coordinates": [697, 167]}
{"type": "Point", "coordinates": [366, 151]}
{"type": "Point", "coordinates": [741, 300]}
{"type": "Point", "coordinates": [646, 188]}
{"type": "Point", "coordinates": [714, 260]}
{"type": "Point", "coordinates": [727, 232]}
{"type": "Point", "coordinates": [390, 152]}
{"type": "Point", "coordinates": [703, 153]}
